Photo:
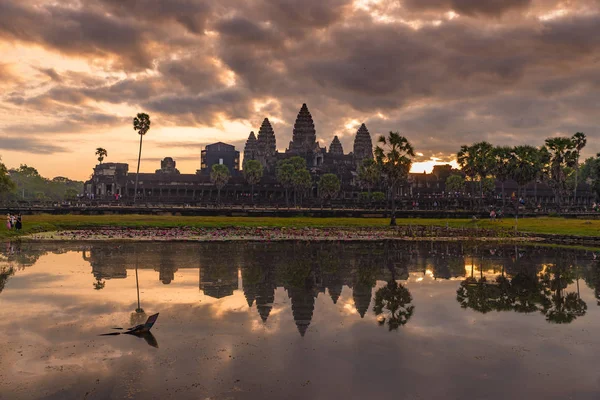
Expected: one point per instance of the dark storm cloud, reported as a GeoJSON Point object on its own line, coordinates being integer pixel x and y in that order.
{"type": "Point", "coordinates": [29, 145]}
{"type": "Point", "coordinates": [70, 123]}
{"type": "Point", "coordinates": [205, 109]}
{"type": "Point", "coordinates": [51, 73]}
{"type": "Point", "coordinates": [244, 31]}
{"type": "Point", "coordinates": [497, 72]}
{"type": "Point", "coordinates": [75, 32]}
{"type": "Point", "coordinates": [468, 7]}
{"type": "Point", "coordinates": [192, 14]}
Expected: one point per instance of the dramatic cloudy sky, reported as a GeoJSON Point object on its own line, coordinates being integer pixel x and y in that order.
{"type": "Point", "coordinates": [442, 72]}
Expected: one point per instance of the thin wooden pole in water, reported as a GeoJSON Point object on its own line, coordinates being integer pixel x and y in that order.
{"type": "Point", "coordinates": [137, 284]}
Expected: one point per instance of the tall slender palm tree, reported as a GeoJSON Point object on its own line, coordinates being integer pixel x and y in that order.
{"type": "Point", "coordinates": [503, 166]}
{"type": "Point", "coordinates": [477, 161]}
{"type": "Point", "coordinates": [101, 153]}
{"type": "Point", "coordinates": [579, 141]}
{"type": "Point", "coordinates": [141, 124]}
{"type": "Point", "coordinates": [562, 155]}
{"type": "Point", "coordinates": [395, 162]}
{"type": "Point", "coordinates": [369, 175]}
{"type": "Point", "coordinates": [219, 176]}
{"type": "Point", "coordinates": [253, 173]}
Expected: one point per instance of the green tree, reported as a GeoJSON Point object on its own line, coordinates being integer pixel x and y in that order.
{"type": "Point", "coordinates": [71, 194]}
{"type": "Point", "coordinates": [219, 176]}
{"type": "Point", "coordinates": [141, 124]}
{"type": "Point", "coordinates": [562, 307]}
{"type": "Point", "coordinates": [302, 182]}
{"type": "Point", "coordinates": [329, 186]}
{"type": "Point", "coordinates": [395, 301]}
{"type": "Point", "coordinates": [5, 273]}
{"type": "Point", "coordinates": [293, 173]}
{"type": "Point", "coordinates": [369, 175]}
{"type": "Point", "coordinates": [6, 183]}
{"type": "Point", "coordinates": [455, 183]}
{"type": "Point", "coordinates": [579, 141]}
{"type": "Point", "coordinates": [477, 161]}
{"type": "Point", "coordinates": [503, 166]}
{"type": "Point", "coordinates": [561, 155]}
{"type": "Point", "coordinates": [285, 176]}
{"type": "Point", "coordinates": [394, 161]}
{"type": "Point", "coordinates": [101, 153]}
{"type": "Point", "coordinates": [524, 166]}
{"type": "Point", "coordinates": [99, 284]}
{"type": "Point", "coordinates": [595, 175]}
{"type": "Point", "coordinates": [253, 173]}
{"type": "Point", "coordinates": [466, 160]}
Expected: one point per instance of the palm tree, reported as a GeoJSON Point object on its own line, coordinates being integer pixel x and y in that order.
{"type": "Point", "coordinates": [524, 168]}
{"type": "Point", "coordinates": [99, 284]}
{"type": "Point", "coordinates": [219, 177]}
{"type": "Point", "coordinates": [329, 186]}
{"type": "Point", "coordinates": [478, 161]}
{"type": "Point", "coordinates": [579, 141]}
{"type": "Point", "coordinates": [562, 155]}
{"type": "Point", "coordinates": [466, 161]}
{"type": "Point", "coordinates": [369, 175]}
{"type": "Point", "coordinates": [101, 153]}
{"type": "Point", "coordinates": [253, 173]}
{"type": "Point", "coordinates": [302, 182]}
{"type": "Point", "coordinates": [397, 300]}
{"type": "Point", "coordinates": [141, 124]}
{"type": "Point", "coordinates": [503, 166]}
{"type": "Point", "coordinates": [394, 163]}
{"type": "Point", "coordinates": [285, 177]}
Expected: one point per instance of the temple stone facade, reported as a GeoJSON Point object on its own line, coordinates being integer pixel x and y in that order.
{"type": "Point", "coordinates": [304, 144]}
{"type": "Point", "coordinates": [167, 166]}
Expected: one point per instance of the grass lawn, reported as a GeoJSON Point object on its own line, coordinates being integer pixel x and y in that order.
{"type": "Point", "coordinates": [46, 222]}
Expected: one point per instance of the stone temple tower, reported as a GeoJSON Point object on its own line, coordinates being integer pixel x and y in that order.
{"type": "Point", "coordinates": [336, 146]}
{"type": "Point", "coordinates": [251, 148]}
{"type": "Point", "coordinates": [266, 147]}
{"type": "Point", "coordinates": [363, 146]}
{"type": "Point", "coordinates": [304, 139]}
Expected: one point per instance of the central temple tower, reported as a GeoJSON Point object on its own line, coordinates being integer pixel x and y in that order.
{"type": "Point", "coordinates": [304, 138]}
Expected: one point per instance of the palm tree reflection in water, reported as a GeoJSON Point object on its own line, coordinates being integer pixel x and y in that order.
{"type": "Point", "coordinates": [526, 292]}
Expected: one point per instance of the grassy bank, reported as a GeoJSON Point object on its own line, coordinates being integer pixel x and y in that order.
{"type": "Point", "coordinates": [45, 223]}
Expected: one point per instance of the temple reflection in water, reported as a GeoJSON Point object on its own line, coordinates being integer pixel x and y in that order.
{"type": "Point", "coordinates": [490, 277]}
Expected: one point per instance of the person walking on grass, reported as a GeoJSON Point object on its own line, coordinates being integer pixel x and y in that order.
{"type": "Point", "coordinates": [19, 223]}
{"type": "Point", "coordinates": [8, 221]}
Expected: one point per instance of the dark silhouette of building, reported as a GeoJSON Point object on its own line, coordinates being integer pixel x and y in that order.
{"type": "Point", "coordinates": [220, 153]}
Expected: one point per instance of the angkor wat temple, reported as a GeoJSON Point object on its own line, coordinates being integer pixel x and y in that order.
{"type": "Point", "coordinates": [168, 185]}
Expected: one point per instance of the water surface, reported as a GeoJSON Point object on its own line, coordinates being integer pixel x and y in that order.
{"type": "Point", "coordinates": [299, 321]}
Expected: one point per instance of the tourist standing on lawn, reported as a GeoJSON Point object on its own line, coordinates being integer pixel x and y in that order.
{"type": "Point", "coordinates": [19, 223]}
{"type": "Point", "coordinates": [8, 221]}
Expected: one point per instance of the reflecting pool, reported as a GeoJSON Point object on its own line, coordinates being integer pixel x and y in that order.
{"type": "Point", "coordinates": [297, 320]}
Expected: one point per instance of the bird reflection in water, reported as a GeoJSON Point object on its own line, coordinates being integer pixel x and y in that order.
{"type": "Point", "coordinates": [141, 331]}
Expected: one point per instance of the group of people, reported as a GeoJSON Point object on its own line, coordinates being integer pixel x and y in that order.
{"type": "Point", "coordinates": [14, 221]}
{"type": "Point", "coordinates": [496, 215]}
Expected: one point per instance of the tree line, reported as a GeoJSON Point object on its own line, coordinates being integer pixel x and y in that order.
{"type": "Point", "coordinates": [26, 184]}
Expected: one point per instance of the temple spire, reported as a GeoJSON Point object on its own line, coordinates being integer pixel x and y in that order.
{"type": "Point", "coordinates": [304, 137]}
{"type": "Point", "coordinates": [336, 146]}
{"type": "Point", "coordinates": [363, 146]}
{"type": "Point", "coordinates": [266, 147]}
{"type": "Point", "coordinates": [250, 150]}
